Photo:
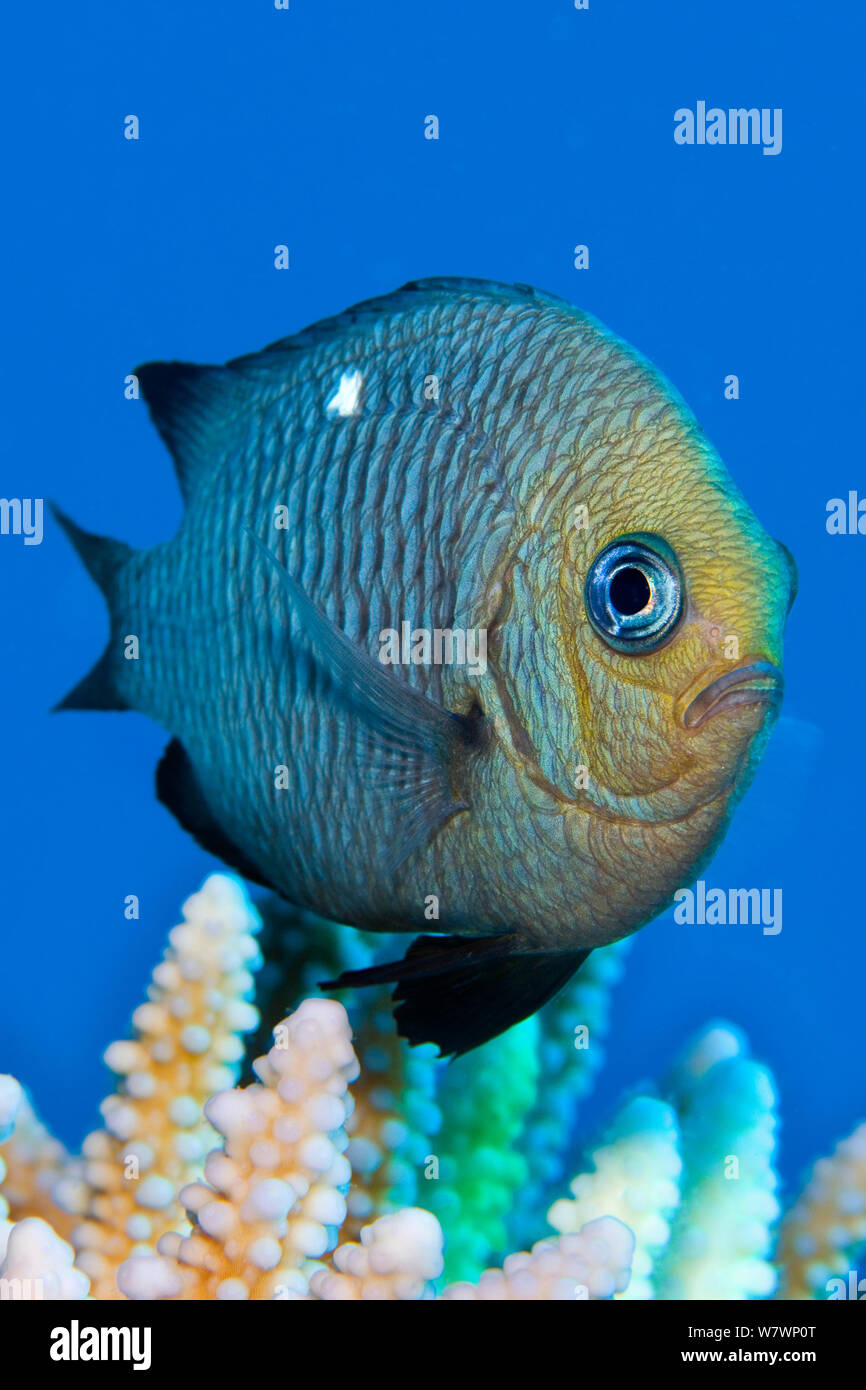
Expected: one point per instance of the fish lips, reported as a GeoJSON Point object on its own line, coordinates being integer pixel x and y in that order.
{"type": "Point", "coordinates": [753, 683]}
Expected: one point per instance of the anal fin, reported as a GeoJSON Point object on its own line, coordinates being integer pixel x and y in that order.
{"type": "Point", "coordinates": [178, 789]}
{"type": "Point", "coordinates": [460, 992]}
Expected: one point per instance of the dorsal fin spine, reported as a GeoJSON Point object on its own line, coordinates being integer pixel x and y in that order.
{"type": "Point", "coordinates": [187, 403]}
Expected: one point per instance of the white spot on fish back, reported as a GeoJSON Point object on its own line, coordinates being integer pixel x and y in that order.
{"type": "Point", "coordinates": [346, 400]}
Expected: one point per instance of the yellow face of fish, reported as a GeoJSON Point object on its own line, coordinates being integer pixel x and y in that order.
{"type": "Point", "coordinates": [642, 654]}
{"type": "Point", "coordinates": [675, 658]}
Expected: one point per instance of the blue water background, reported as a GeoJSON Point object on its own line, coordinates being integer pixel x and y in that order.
{"type": "Point", "coordinates": [260, 127]}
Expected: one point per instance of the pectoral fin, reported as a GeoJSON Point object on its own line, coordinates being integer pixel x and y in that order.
{"type": "Point", "coordinates": [460, 992]}
{"type": "Point", "coordinates": [422, 741]}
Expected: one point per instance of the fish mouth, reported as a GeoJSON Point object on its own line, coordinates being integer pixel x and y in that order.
{"type": "Point", "coordinates": [756, 683]}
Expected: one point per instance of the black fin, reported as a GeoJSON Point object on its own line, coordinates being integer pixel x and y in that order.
{"type": "Point", "coordinates": [420, 737]}
{"type": "Point", "coordinates": [178, 789]}
{"type": "Point", "coordinates": [459, 991]}
{"type": "Point", "coordinates": [103, 559]}
{"type": "Point", "coordinates": [193, 408]}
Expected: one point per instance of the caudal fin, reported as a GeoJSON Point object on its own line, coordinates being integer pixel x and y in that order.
{"type": "Point", "coordinates": [103, 559]}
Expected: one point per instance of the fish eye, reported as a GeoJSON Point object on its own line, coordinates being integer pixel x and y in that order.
{"type": "Point", "coordinates": [634, 592]}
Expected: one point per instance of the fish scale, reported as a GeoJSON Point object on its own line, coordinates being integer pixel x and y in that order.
{"type": "Point", "coordinates": [422, 784]}
{"type": "Point", "coordinates": [324, 740]}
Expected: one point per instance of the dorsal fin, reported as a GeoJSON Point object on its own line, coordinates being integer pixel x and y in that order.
{"type": "Point", "coordinates": [457, 284]}
{"type": "Point", "coordinates": [197, 408]}
{"type": "Point", "coordinates": [193, 408]}
{"type": "Point", "coordinates": [413, 295]}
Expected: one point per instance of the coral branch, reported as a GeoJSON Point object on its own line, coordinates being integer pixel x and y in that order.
{"type": "Point", "coordinates": [36, 1162]}
{"type": "Point", "coordinates": [38, 1264]}
{"type": "Point", "coordinates": [187, 1046]}
{"type": "Point", "coordinates": [721, 1237]}
{"type": "Point", "coordinates": [394, 1116]}
{"type": "Point", "coordinates": [572, 1029]}
{"type": "Point", "coordinates": [593, 1263]}
{"type": "Point", "coordinates": [272, 1198]}
{"type": "Point", "coordinates": [396, 1258]}
{"type": "Point", "coordinates": [821, 1235]}
{"type": "Point", "coordinates": [635, 1177]}
{"type": "Point", "coordinates": [484, 1097]}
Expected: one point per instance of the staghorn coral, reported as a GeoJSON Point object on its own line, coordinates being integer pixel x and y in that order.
{"type": "Point", "coordinates": [484, 1098]}
{"type": "Point", "coordinates": [721, 1236]}
{"type": "Point", "coordinates": [35, 1161]}
{"type": "Point", "coordinates": [261, 1213]}
{"type": "Point", "coordinates": [37, 1264]}
{"type": "Point", "coordinates": [594, 1262]}
{"type": "Point", "coordinates": [635, 1177]}
{"type": "Point", "coordinates": [411, 1109]}
{"type": "Point", "coordinates": [691, 1175]}
{"type": "Point", "coordinates": [680, 1188]}
{"type": "Point", "coordinates": [34, 1261]}
{"type": "Point", "coordinates": [121, 1194]}
{"type": "Point", "coordinates": [571, 1032]}
{"type": "Point", "coordinates": [395, 1110]}
{"type": "Point", "coordinates": [10, 1104]}
{"type": "Point", "coordinates": [396, 1259]}
{"type": "Point", "coordinates": [273, 1190]}
{"type": "Point", "coordinates": [10, 1101]}
{"type": "Point", "coordinates": [394, 1117]}
{"type": "Point", "coordinates": [822, 1234]}
{"type": "Point", "coordinates": [478, 1142]}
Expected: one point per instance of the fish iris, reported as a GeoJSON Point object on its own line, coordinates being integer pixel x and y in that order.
{"type": "Point", "coordinates": [634, 593]}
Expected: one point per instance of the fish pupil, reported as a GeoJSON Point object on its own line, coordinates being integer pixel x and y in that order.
{"type": "Point", "coordinates": [629, 591]}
